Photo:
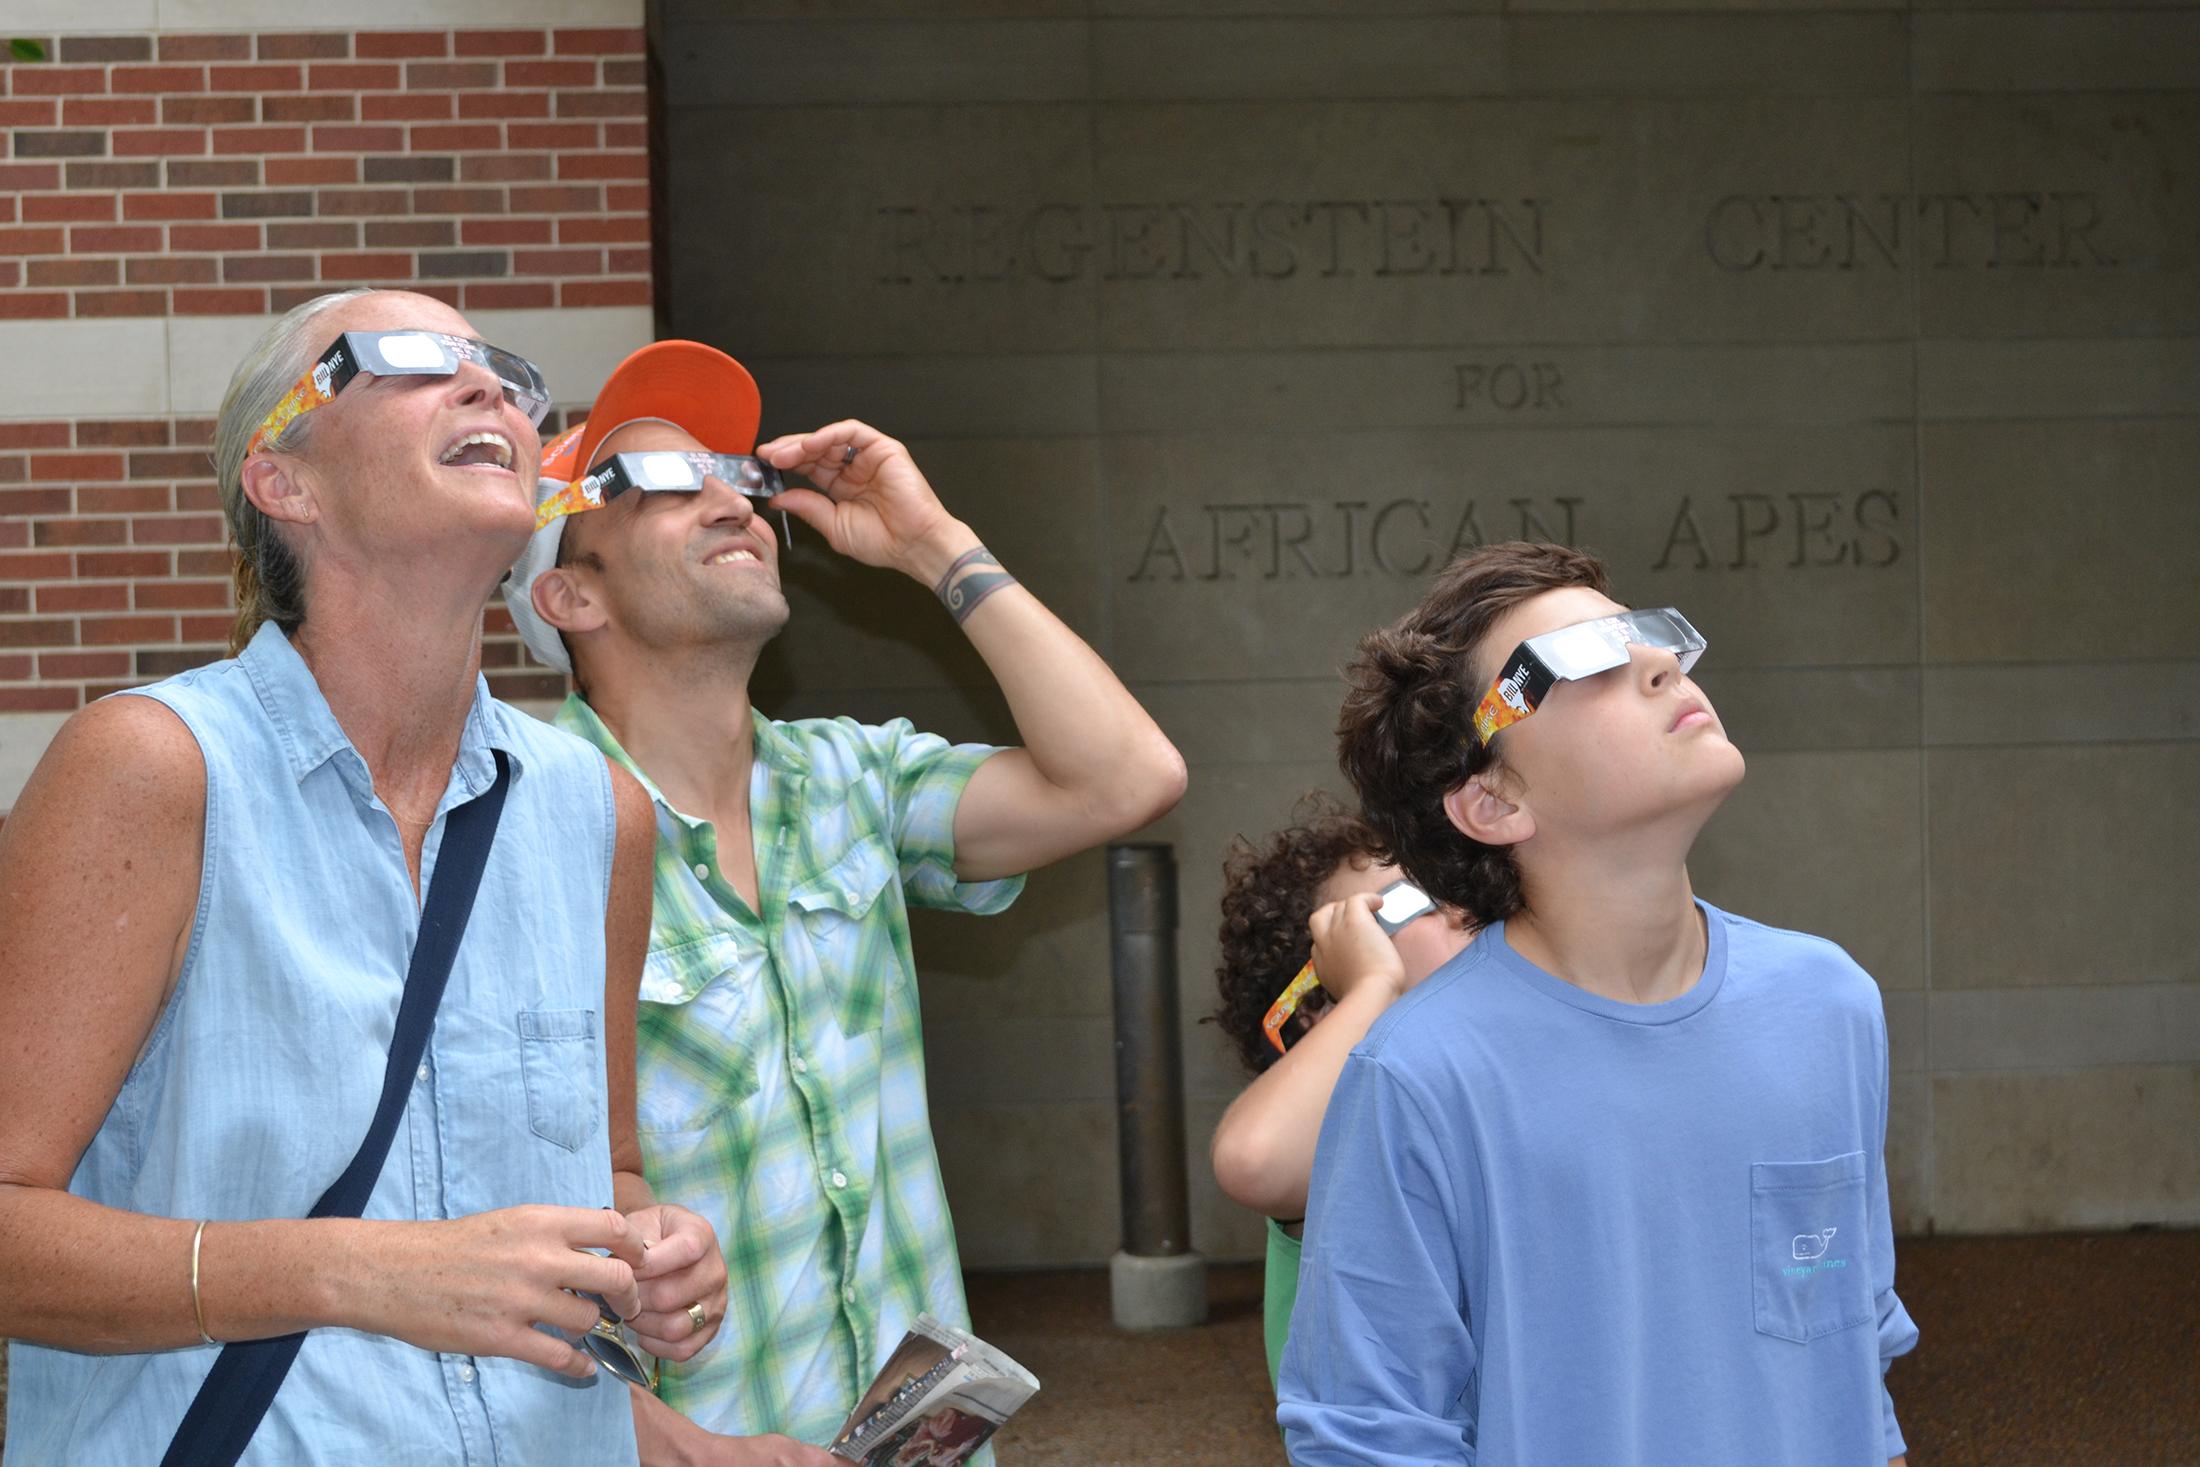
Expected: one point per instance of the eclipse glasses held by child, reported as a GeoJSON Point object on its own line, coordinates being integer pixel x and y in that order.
{"type": "Point", "coordinates": [1402, 902]}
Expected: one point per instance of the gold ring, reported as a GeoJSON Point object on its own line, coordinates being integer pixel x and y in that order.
{"type": "Point", "coordinates": [695, 1312]}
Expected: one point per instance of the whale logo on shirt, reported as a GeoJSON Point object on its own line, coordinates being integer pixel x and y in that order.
{"type": "Point", "coordinates": [1809, 1246]}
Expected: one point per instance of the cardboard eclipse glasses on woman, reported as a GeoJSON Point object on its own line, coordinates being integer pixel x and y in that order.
{"type": "Point", "coordinates": [402, 354]}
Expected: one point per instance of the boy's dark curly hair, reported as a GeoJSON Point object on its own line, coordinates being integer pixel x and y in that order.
{"type": "Point", "coordinates": [1268, 893]}
{"type": "Point", "coordinates": [1405, 736]}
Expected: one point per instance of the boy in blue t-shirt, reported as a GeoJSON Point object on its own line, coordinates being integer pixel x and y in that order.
{"type": "Point", "coordinates": [1608, 1189]}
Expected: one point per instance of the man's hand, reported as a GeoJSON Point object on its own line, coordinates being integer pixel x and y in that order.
{"type": "Point", "coordinates": [681, 1266]}
{"type": "Point", "coordinates": [668, 1439]}
{"type": "Point", "coordinates": [763, 1451]}
{"type": "Point", "coordinates": [876, 507]}
{"type": "Point", "coordinates": [1352, 951]}
{"type": "Point", "coordinates": [1094, 765]}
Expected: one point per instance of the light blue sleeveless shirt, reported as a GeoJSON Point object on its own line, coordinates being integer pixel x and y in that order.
{"type": "Point", "coordinates": [262, 1075]}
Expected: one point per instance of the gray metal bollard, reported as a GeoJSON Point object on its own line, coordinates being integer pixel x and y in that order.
{"type": "Point", "coordinates": [1156, 1281]}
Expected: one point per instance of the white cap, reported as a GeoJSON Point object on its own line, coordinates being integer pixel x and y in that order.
{"type": "Point", "coordinates": [541, 554]}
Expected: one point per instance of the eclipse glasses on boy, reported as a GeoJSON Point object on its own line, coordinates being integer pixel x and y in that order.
{"type": "Point", "coordinates": [1580, 651]}
{"type": "Point", "coordinates": [402, 354]}
{"type": "Point", "coordinates": [1402, 902]}
{"type": "Point", "coordinates": [664, 470]}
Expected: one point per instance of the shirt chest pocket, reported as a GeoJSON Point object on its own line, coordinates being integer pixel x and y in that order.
{"type": "Point", "coordinates": [845, 919]}
{"type": "Point", "coordinates": [1810, 1265]}
{"type": "Point", "coordinates": [702, 1021]}
{"type": "Point", "coordinates": [560, 1066]}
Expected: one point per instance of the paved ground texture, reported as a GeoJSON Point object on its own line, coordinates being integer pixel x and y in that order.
{"type": "Point", "coordinates": [2068, 1351]}
{"type": "Point", "coordinates": [2071, 1351]}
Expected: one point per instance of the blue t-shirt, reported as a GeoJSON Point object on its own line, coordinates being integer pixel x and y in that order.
{"type": "Point", "coordinates": [1548, 1229]}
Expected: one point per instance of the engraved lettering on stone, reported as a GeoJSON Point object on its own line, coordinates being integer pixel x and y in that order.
{"type": "Point", "coordinates": [1295, 540]}
{"type": "Point", "coordinates": [1876, 512]}
{"type": "Point", "coordinates": [1386, 562]}
{"type": "Point", "coordinates": [1820, 531]}
{"type": "Point", "coordinates": [1266, 239]}
{"type": "Point", "coordinates": [1467, 534]}
{"type": "Point", "coordinates": [1754, 519]}
{"type": "Point", "coordinates": [1218, 239]}
{"type": "Point", "coordinates": [1815, 542]}
{"type": "Point", "coordinates": [1161, 540]}
{"type": "Point", "coordinates": [1221, 537]}
{"type": "Point", "coordinates": [1133, 251]}
{"type": "Point", "coordinates": [1348, 510]}
{"type": "Point", "coordinates": [1508, 387]}
{"type": "Point", "coordinates": [1340, 540]}
{"type": "Point", "coordinates": [1685, 532]}
{"type": "Point", "coordinates": [1534, 527]}
{"type": "Point", "coordinates": [1057, 242]}
{"type": "Point", "coordinates": [2012, 230]}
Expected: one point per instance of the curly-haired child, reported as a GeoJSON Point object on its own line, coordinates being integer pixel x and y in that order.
{"type": "Point", "coordinates": [1307, 890]}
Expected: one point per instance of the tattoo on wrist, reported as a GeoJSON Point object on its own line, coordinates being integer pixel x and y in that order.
{"type": "Point", "coordinates": [974, 576]}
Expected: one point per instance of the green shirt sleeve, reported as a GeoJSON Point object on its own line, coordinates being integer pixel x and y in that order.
{"type": "Point", "coordinates": [925, 777]}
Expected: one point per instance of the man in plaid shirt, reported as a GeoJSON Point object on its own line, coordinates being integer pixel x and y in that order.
{"type": "Point", "coordinates": [780, 1057]}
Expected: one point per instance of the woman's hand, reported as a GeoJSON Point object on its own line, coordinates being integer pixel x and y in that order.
{"type": "Point", "coordinates": [480, 1285]}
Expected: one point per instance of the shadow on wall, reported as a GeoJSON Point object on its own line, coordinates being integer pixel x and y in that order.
{"type": "Point", "coordinates": [833, 600]}
{"type": "Point", "coordinates": [1059, 925]}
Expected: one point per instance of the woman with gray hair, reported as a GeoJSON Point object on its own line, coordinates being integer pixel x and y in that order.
{"type": "Point", "coordinates": [212, 939]}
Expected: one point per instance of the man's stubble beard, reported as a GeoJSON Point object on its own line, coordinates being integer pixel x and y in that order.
{"type": "Point", "coordinates": [673, 614]}
{"type": "Point", "coordinates": [747, 619]}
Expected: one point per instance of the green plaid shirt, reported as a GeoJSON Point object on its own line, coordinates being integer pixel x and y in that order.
{"type": "Point", "coordinates": [781, 1063]}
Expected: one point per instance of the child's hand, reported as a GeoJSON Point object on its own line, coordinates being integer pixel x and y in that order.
{"type": "Point", "coordinates": [1351, 950]}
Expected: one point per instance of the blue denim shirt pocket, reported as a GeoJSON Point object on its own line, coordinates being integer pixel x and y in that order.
{"type": "Point", "coordinates": [557, 1055]}
{"type": "Point", "coordinates": [1810, 1271]}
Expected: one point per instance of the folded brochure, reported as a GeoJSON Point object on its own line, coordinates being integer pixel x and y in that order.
{"type": "Point", "coordinates": [937, 1399]}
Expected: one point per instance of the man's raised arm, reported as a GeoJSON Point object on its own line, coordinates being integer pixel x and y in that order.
{"type": "Point", "coordinates": [1094, 765]}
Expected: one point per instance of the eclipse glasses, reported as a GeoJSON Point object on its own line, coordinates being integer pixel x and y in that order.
{"type": "Point", "coordinates": [607, 1341]}
{"type": "Point", "coordinates": [402, 354]}
{"type": "Point", "coordinates": [1402, 903]}
{"type": "Point", "coordinates": [1576, 652]}
{"type": "Point", "coordinates": [662, 470]}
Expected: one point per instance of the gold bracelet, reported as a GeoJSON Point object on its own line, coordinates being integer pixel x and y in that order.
{"type": "Point", "coordinates": [198, 1314]}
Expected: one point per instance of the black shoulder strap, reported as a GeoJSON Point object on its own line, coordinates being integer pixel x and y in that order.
{"type": "Point", "coordinates": [242, 1385]}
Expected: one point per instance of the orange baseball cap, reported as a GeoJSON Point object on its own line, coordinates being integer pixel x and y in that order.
{"type": "Point", "coordinates": [698, 387]}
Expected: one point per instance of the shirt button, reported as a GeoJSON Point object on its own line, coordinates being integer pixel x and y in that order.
{"type": "Point", "coordinates": [465, 1375]}
{"type": "Point", "coordinates": [423, 1074]}
{"type": "Point", "coordinates": [801, 1065]}
{"type": "Point", "coordinates": [702, 872]}
{"type": "Point", "coordinates": [840, 1179]}
{"type": "Point", "coordinates": [849, 1293]}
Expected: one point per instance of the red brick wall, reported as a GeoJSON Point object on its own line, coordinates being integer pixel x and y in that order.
{"type": "Point", "coordinates": [237, 175]}
{"type": "Point", "coordinates": [231, 175]}
{"type": "Point", "coordinates": [115, 567]}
